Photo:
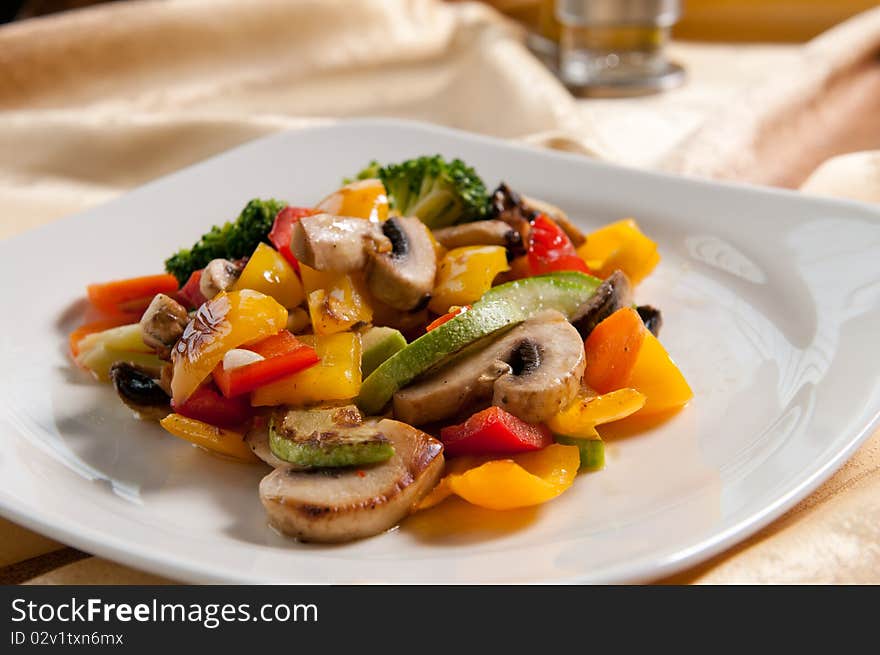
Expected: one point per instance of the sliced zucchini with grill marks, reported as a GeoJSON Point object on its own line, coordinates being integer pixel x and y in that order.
{"type": "Point", "coordinates": [327, 437]}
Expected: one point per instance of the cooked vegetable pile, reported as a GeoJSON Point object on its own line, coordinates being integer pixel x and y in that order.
{"type": "Point", "coordinates": [411, 337]}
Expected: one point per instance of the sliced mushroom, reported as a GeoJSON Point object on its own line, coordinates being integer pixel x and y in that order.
{"type": "Point", "coordinates": [336, 243]}
{"type": "Point", "coordinates": [651, 317]}
{"type": "Point", "coordinates": [139, 389]}
{"type": "Point", "coordinates": [342, 504]}
{"type": "Point", "coordinates": [163, 323]}
{"type": "Point", "coordinates": [404, 277]}
{"type": "Point", "coordinates": [532, 371]}
{"type": "Point", "coordinates": [559, 216]}
{"type": "Point", "coordinates": [482, 233]}
{"type": "Point", "coordinates": [219, 275]}
{"type": "Point", "coordinates": [615, 292]}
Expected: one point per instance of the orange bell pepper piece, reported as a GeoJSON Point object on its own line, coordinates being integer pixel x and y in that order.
{"type": "Point", "coordinates": [620, 245]}
{"type": "Point", "coordinates": [622, 353]}
{"type": "Point", "coordinates": [360, 199]}
{"type": "Point", "coordinates": [612, 349]}
{"type": "Point", "coordinates": [217, 440]}
{"type": "Point", "coordinates": [520, 481]}
{"type": "Point", "coordinates": [131, 295]}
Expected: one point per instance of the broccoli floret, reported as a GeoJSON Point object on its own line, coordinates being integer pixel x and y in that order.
{"type": "Point", "coordinates": [438, 192]}
{"type": "Point", "coordinates": [233, 240]}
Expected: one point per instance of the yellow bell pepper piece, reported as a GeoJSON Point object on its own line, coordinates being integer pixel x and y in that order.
{"type": "Point", "coordinates": [361, 199]}
{"type": "Point", "coordinates": [658, 377]}
{"type": "Point", "coordinates": [521, 481]}
{"type": "Point", "coordinates": [465, 274]}
{"type": "Point", "coordinates": [588, 410]}
{"type": "Point", "coordinates": [218, 440]}
{"type": "Point", "coordinates": [268, 272]}
{"type": "Point", "coordinates": [337, 376]}
{"type": "Point", "coordinates": [337, 301]}
{"type": "Point", "coordinates": [227, 321]}
{"type": "Point", "coordinates": [620, 245]}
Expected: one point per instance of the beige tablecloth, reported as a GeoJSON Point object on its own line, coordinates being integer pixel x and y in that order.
{"type": "Point", "coordinates": [97, 101]}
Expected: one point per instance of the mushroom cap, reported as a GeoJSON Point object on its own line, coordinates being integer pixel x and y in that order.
{"type": "Point", "coordinates": [532, 371]}
{"type": "Point", "coordinates": [336, 243]}
{"type": "Point", "coordinates": [404, 277]}
{"type": "Point", "coordinates": [342, 504]}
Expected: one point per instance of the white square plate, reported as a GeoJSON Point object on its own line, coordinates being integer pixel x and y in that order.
{"type": "Point", "coordinates": [771, 303]}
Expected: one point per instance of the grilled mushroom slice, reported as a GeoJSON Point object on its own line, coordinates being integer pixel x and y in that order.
{"type": "Point", "coordinates": [532, 371]}
{"type": "Point", "coordinates": [482, 233]}
{"type": "Point", "coordinates": [342, 504]}
{"type": "Point", "coordinates": [139, 389]}
{"type": "Point", "coordinates": [219, 275]}
{"type": "Point", "coordinates": [404, 277]}
{"type": "Point", "coordinates": [615, 292]}
{"type": "Point", "coordinates": [336, 243]}
{"type": "Point", "coordinates": [163, 323]}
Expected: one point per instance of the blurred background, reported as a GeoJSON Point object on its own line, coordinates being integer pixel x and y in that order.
{"type": "Point", "coordinates": [704, 20]}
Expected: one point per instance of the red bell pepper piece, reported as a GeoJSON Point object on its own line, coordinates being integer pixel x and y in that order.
{"type": "Point", "coordinates": [190, 293]}
{"type": "Point", "coordinates": [494, 431]}
{"type": "Point", "coordinates": [437, 322]}
{"type": "Point", "coordinates": [132, 295]}
{"type": "Point", "coordinates": [283, 226]}
{"type": "Point", "coordinates": [284, 355]}
{"type": "Point", "coordinates": [206, 404]}
{"type": "Point", "coordinates": [551, 250]}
